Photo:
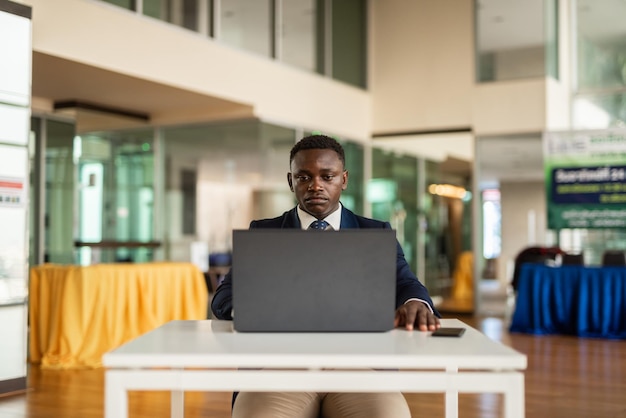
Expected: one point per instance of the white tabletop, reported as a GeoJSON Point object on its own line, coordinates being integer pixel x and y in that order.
{"type": "Point", "coordinates": [214, 344]}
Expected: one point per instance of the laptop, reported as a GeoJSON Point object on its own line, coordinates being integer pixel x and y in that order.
{"type": "Point", "coordinates": [289, 280]}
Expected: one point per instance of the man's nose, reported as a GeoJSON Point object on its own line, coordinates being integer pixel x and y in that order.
{"type": "Point", "coordinates": [316, 183]}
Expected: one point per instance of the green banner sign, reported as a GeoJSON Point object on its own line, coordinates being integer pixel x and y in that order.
{"type": "Point", "coordinates": [585, 174]}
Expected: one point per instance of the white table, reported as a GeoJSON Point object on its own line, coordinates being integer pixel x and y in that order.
{"type": "Point", "coordinates": [208, 355]}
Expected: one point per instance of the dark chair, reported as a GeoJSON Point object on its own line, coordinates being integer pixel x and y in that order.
{"type": "Point", "coordinates": [533, 255]}
{"type": "Point", "coordinates": [614, 258]}
{"type": "Point", "coordinates": [573, 259]}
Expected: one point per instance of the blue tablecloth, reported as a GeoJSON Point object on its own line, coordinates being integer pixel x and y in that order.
{"type": "Point", "coordinates": [575, 300]}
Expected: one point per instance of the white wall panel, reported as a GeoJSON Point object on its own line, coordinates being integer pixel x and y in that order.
{"type": "Point", "coordinates": [16, 59]}
{"type": "Point", "coordinates": [15, 124]}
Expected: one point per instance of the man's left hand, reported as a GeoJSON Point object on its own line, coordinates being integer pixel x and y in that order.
{"type": "Point", "coordinates": [416, 314]}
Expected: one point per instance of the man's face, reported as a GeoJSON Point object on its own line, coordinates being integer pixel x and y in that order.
{"type": "Point", "coordinates": [317, 178]}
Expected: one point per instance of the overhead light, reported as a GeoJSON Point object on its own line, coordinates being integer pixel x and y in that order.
{"type": "Point", "coordinates": [449, 190]}
{"type": "Point", "coordinates": [73, 105]}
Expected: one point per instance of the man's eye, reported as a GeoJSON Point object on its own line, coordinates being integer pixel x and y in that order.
{"type": "Point", "coordinates": [302, 179]}
{"type": "Point", "coordinates": [329, 177]}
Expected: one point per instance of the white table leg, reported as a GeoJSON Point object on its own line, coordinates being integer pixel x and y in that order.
{"type": "Point", "coordinates": [514, 398]}
{"type": "Point", "coordinates": [177, 404]}
{"type": "Point", "coordinates": [116, 397]}
{"type": "Point", "coordinates": [452, 404]}
{"type": "Point", "coordinates": [452, 396]}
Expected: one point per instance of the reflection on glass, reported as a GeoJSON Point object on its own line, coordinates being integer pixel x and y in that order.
{"type": "Point", "coordinates": [246, 24]}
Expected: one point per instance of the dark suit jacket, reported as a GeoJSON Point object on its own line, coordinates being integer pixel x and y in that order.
{"type": "Point", "coordinates": [407, 284]}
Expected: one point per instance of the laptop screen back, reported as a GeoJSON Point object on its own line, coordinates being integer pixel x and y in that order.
{"type": "Point", "coordinates": [289, 280]}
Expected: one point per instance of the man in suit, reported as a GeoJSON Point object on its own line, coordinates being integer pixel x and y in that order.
{"type": "Point", "coordinates": [317, 177]}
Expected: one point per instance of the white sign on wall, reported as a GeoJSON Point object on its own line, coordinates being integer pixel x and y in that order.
{"type": "Point", "coordinates": [15, 78]}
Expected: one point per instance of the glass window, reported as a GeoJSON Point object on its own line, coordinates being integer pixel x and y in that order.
{"type": "Point", "coordinates": [349, 42]}
{"type": "Point", "coordinates": [247, 24]}
{"type": "Point", "coordinates": [298, 33]}
{"type": "Point", "coordinates": [184, 13]}
{"type": "Point", "coordinates": [601, 45]}
{"type": "Point", "coordinates": [515, 39]}
{"type": "Point", "coordinates": [126, 4]}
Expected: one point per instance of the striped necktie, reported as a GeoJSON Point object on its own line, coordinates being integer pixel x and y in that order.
{"type": "Point", "coordinates": [319, 225]}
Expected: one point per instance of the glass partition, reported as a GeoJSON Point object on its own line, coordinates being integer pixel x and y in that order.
{"type": "Point", "coordinates": [241, 174]}
{"type": "Point", "coordinates": [60, 198]}
{"type": "Point", "coordinates": [115, 197]}
{"type": "Point", "coordinates": [392, 193]}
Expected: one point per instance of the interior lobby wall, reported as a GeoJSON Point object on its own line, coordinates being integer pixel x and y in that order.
{"type": "Point", "coordinates": [508, 107]}
{"type": "Point", "coordinates": [421, 65]}
{"type": "Point", "coordinates": [523, 221]}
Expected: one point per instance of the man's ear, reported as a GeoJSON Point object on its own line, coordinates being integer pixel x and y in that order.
{"type": "Point", "coordinates": [344, 186]}
{"type": "Point", "coordinates": [290, 181]}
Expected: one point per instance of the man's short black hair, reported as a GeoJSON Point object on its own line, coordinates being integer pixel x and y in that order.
{"type": "Point", "coordinates": [318, 142]}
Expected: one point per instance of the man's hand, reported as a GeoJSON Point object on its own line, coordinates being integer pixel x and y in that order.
{"type": "Point", "coordinates": [416, 314]}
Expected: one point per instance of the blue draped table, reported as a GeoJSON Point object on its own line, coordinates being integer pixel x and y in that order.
{"type": "Point", "coordinates": [575, 300]}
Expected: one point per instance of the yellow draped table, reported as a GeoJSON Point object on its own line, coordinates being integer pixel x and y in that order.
{"type": "Point", "coordinates": [79, 313]}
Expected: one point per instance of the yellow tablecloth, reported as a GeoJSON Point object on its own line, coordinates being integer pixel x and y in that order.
{"type": "Point", "coordinates": [79, 313]}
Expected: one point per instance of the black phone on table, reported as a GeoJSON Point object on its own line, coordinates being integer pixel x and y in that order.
{"type": "Point", "coordinates": [448, 332]}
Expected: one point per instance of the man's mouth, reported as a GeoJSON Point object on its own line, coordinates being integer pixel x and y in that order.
{"type": "Point", "coordinates": [316, 200]}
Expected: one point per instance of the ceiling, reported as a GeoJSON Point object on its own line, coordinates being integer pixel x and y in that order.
{"type": "Point", "coordinates": [60, 80]}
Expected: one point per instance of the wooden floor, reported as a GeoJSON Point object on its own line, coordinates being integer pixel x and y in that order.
{"type": "Point", "coordinates": [567, 377]}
